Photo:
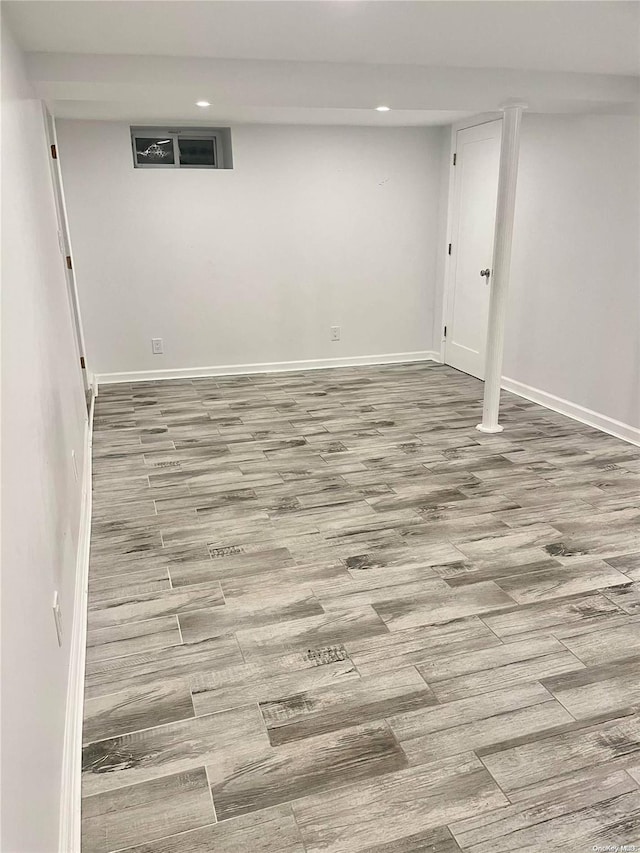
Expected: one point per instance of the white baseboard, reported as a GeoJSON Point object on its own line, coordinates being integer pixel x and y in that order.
{"type": "Point", "coordinates": [70, 798]}
{"type": "Point", "coordinates": [265, 367]}
{"type": "Point", "coordinates": [572, 410]}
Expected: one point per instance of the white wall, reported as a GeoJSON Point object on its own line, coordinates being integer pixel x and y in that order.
{"type": "Point", "coordinates": [314, 227]}
{"type": "Point", "coordinates": [43, 419]}
{"type": "Point", "coordinates": [573, 328]}
{"type": "Point", "coordinates": [345, 226]}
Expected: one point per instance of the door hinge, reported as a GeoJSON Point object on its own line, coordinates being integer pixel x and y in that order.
{"type": "Point", "coordinates": [445, 331]}
{"type": "Point", "coordinates": [82, 364]}
{"type": "Point", "coordinates": [69, 264]}
{"type": "Point", "coordinates": [54, 152]}
{"type": "Point", "coordinates": [449, 248]}
{"type": "Point", "coordinates": [455, 156]}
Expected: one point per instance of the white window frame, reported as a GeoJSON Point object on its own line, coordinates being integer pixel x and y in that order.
{"type": "Point", "coordinates": [174, 135]}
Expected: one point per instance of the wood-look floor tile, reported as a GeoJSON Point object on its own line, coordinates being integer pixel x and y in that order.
{"type": "Point", "coordinates": [147, 811]}
{"type": "Point", "coordinates": [349, 595]}
{"type": "Point", "coordinates": [253, 563]}
{"type": "Point", "coordinates": [268, 679]}
{"type": "Point", "coordinates": [598, 690]}
{"type": "Point", "coordinates": [626, 596]}
{"type": "Point", "coordinates": [169, 664]}
{"type": "Point", "coordinates": [246, 778]}
{"type": "Point", "coordinates": [576, 746]}
{"type": "Point", "coordinates": [150, 605]}
{"type": "Point", "coordinates": [441, 606]}
{"type": "Point", "coordinates": [447, 664]}
{"type": "Point", "coordinates": [474, 528]}
{"type": "Point", "coordinates": [142, 510]}
{"type": "Point", "coordinates": [136, 708]}
{"type": "Point", "coordinates": [326, 541]}
{"type": "Point", "coordinates": [607, 645]}
{"type": "Point", "coordinates": [436, 840]}
{"type": "Point", "coordinates": [351, 582]}
{"type": "Point", "coordinates": [548, 616]}
{"type": "Point", "coordinates": [455, 715]}
{"type": "Point", "coordinates": [485, 732]}
{"type": "Point", "coordinates": [248, 610]}
{"type": "Point", "coordinates": [485, 547]}
{"type": "Point", "coordinates": [173, 748]}
{"type": "Point", "coordinates": [601, 545]}
{"type": "Point", "coordinates": [628, 564]}
{"type": "Point", "coordinates": [525, 516]}
{"type": "Point", "coordinates": [560, 581]}
{"type": "Point", "coordinates": [221, 500]}
{"type": "Point", "coordinates": [469, 572]}
{"type": "Point", "coordinates": [286, 580]}
{"type": "Point", "coordinates": [132, 638]}
{"type": "Point", "coordinates": [113, 561]}
{"type": "Point", "coordinates": [575, 817]}
{"type": "Point", "coordinates": [103, 589]}
{"type": "Point", "coordinates": [401, 555]}
{"type": "Point", "coordinates": [311, 633]}
{"type": "Point", "coordinates": [634, 772]}
{"type": "Point", "coordinates": [485, 670]}
{"type": "Point", "coordinates": [397, 805]}
{"type": "Point", "coordinates": [272, 830]}
{"type": "Point", "coordinates": [415, 646]}
{"type": "Point", "coordinates": [347, 703]}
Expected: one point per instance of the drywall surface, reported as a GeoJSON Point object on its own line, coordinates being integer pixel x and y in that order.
{"type": "Point", "coordinates": [314, 227]}
{"type": "Point", "coordinates": [43, 420]}
{"type": "Point", "coordinates": [573, 328]}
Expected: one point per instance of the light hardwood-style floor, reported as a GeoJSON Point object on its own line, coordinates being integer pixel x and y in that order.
{"type": "Point", "coordinates": [327, 614]}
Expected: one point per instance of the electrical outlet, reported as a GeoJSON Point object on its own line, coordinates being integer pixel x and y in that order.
{"type": "Point", "coordinates": [57, 616]}
{"type": "Point", "coordinates": [74, 462]}
{"type": "Point", "coordinates": [335, 333]}
{"type": "Point", "coordinates": [156, 346]}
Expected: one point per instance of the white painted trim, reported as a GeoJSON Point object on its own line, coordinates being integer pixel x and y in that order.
{"type": "Point", "coordinates": [69, 834]}
{"type": "Point", "coordinates": [572, 410]}
{"type": "Point", "coordinates": [57, 187]}
{"type": "Point", "coordinates": [501, 263]}
{"type": "Point", "coordinates": [474, 121]}
{"type": "Point", "coordinates": [265, 367]}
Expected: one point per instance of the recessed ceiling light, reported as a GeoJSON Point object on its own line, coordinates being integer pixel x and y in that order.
{"type": "Point", "coordinates": [383, 109]}
{"type": "Point", "coordinates": [203, 104]}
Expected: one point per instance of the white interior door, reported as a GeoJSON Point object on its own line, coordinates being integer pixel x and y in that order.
{"type": "Point", "coordinates": [473, 220]}
{"type": "Point", "coordinates": [65, 248]}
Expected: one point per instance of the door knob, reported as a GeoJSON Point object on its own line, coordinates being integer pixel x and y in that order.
{"type": "Point", "coordinates": [486, 273]}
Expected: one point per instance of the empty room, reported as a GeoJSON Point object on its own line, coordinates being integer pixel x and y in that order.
{"type": "Point", "coordinates": [320, 426]}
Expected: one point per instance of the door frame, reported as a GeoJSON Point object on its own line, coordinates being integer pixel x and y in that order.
{"type": "Point", "coordinates": [64, 241]}
{"type": "Point", "coordinates": [447, 283]}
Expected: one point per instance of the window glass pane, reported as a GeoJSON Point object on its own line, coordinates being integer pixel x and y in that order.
{"type": "Point", "coordinates": [154, 150]}
{"type": "Point", "coordinates": [197, 152]}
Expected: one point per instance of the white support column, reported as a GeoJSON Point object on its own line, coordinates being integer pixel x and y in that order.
{"type": "Point", "coordinates": [507, 177]}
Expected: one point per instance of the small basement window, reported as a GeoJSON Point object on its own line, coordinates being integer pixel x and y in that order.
{"type": "Point", "coordinates": [181, 148]}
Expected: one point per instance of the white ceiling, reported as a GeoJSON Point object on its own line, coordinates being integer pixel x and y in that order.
{"type": "Point", "coordinates": [557, 35]}
{"type": "Point", "coordinates": [328, 61]}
